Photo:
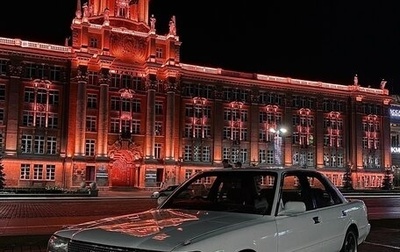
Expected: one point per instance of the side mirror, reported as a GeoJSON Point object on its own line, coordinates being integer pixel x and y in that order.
{"type": "Point", "coordinates": [293, 207]}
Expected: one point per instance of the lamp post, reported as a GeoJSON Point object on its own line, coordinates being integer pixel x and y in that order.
{"type": "Point", "coordinates": [278, 144]}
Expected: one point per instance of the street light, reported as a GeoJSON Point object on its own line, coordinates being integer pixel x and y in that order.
{"type": "Point", "coordinates": [278, 144]}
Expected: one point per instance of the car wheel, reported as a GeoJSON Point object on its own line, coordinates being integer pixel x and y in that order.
{"type": "Point", "coordinates": [350, 242]}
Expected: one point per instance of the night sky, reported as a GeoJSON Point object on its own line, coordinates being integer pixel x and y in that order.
{"type": "Point", "coordinates": [317, 40]}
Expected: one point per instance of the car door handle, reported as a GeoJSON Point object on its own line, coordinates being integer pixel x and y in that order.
{"type": "Point", "coordinates": [316, 220]}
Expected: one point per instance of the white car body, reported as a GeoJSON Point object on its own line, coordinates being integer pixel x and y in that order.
{"type": "Point", "coordinates": [207, 220]}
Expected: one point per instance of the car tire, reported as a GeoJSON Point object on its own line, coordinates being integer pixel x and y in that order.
{"type": "Point", "coordinates": [350, 242]}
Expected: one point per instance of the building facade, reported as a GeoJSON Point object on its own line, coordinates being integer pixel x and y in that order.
{"type": "Point", "coordinates": [116, 106]}
{"type": "Point", "coordinates": [395, 139]}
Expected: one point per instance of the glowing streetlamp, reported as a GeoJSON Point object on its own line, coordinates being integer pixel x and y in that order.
{"type": "Point", "coordinates": [278, 144]}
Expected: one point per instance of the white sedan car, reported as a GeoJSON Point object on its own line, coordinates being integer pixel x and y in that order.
{"type": "Point", "coordinates": [234, 210]}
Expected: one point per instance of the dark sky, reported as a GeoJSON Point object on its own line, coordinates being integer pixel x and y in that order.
{"type": "Point", "coordinates": [319, 40]}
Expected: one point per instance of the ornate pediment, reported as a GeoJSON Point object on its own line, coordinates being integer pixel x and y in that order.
{"type": "Point", "coordinates": [128, 48]}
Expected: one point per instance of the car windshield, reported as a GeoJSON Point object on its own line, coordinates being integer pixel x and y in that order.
{"type": "Point", "coordinates": [232, 191]}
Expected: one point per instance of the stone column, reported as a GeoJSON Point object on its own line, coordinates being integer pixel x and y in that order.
{"type": "Point", "coordinates": [82, 80]}
{"type": "Point", "coordinates": [170, 119]}
{"type": "Point", "coordinates": [103, 118]}
{"type": "Point", "coordinates": [11, 133]}
{"type": "Point", "coordinates": [151, 85]}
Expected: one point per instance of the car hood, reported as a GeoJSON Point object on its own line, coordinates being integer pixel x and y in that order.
{"type": "Point", "coordinates": [156, 228]}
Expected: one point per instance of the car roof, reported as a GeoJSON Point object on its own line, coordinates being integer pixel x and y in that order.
{"type": "Point", "coordinates": [255, 169]}
{"type": "Point", "coordinates": [278, 171]}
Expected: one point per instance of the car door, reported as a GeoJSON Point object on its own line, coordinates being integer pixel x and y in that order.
{"type": "Point", "coordinates": [300, 232]}
{"type": "Point", "coordinates": [333, 222]}
{"type": "Point", "coordinates": [332, 217]}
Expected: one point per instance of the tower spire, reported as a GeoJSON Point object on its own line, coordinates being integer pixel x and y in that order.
{"type": "Point", "coordinates": [78, 12]}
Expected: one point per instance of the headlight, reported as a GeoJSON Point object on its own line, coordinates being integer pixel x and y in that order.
{"type": "Point", "coordinates": [57, 244]}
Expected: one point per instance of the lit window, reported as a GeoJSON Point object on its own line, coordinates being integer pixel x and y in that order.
{"type": "Point", "coordinates": [90, 147]}
{"type": "Point", "coordinates": [50, 172]}
{"type": "Point", "coordinates": [37, 171]}
{"type": "Point", "coordinates": [25, 171]}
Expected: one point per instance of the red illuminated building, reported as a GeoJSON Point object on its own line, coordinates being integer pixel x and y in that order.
{"type": "Point", "coordinates": [116, 106]}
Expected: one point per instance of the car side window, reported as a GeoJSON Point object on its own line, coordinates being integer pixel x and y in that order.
{"type": "Point", "coordinates": [308, 189]}
{"type": "Point", "coordinates": [291, 189]}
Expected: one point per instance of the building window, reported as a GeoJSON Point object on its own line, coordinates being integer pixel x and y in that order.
{"type": "Point", "coordinates": [91, 123]}
{"type": "Point", "coordinates": [188, 130]}
{"type": "Point", "coordinates": [3, 67]}
{"type": "Point", "coordinates": [40, 120]}
{"type": "Point", "coordinates": [157, 151]}
{"type": "Point", "coordinates": [243, 156]}
{"type": "Point", "coordinates": [1, 116]}
{"type": "Point", "coordinates": [1, 141]}
{"type": "Point", "coordinates": [235, 154]}
{"type": "Point", "coordinates": [136, 126]}
{"type": "Point", "coordinates": [158, 128]}
{"type": "Point", "coordinates": [50, 172]}
{"type": "Point", "coordinates": [187, 153]}
{"type": "Point", "coordinates": [52, 121]}
{"type": "Point", "coordinates": [26, 143]}
{"type": "Point", "coordinates": [126, 81]}
{"type": "Point", "coordinates": [126, 126]}
{"type": "Point", "coordinates": [40, 116]}
{"type": "Point", "coordinates": [243, 134]}
{"type": "Point", "coordinates": [226, 94]}
{"type": "Point", "coordinates": [159, 53]}
{"type": "Point", "coordinates": [115, 81]}
{"type": "Point", "coordinates": [207, 131]}
{"type": "Point", "coordinates": [188, 110]}
{"type": "Point", "coordinates": [188, 173]}
{"type": "Point", "coordinates": [39, 145]}
{"type": "Point", "coordinates": [122, 12]}
{"type": "Point", "coordinates": [136, 83]}
{"type": "Point", "coordinates": [37, 171]}
{"type": "Point", "coordinates": [55, 73]}
{"type": "Point", "coordinates": [262, 156]}
{"type": "Point", "coordinates": [93, 42]}
{"type": "Point", "coordinates": [196, 153]}
{"type": "Point", "coordinates": [2, 92]}
{"type": "Point", "coordinates": [54, 97]}
{"type": "Point", "coordinates": [92, 101]}
{"type": "Point", "coordinates": [226, 153]}
{"type": "Point", "coordinates": [90, 147]}
{"type": "Point", "coordinates": [92, 78]}
{"type": "Point", "coordinates": [25, 171]}
{"type": "Point", "coordinates": [270, 156]}
{"type": "Point", "coordinates": [227, 133]}
{"type": "Point", "coordinates": [197, 131]}
{"type": "Point", "coordinates": [206, 154]}
{"type": "Point", "coordinates": [125, 105]}
{"type": "Point", "coordinates": [41, 96]}
{"type": "Point", "coordinates": [51, 145]}
{"type": "Point", "coordinates": [310, 159]}
{"type": "Point", "coordinates": [115, 103]}
{"type": "Point", "coordinates": [30, 71]}
{"type": "Point", "coordinates": [115, 124]}
{"type": "Point", "coordinates": [29, 95]}
{"type": "Point", "coordinates": [159, 108]}
{"type": "Point", "coordinates": [136, 106]}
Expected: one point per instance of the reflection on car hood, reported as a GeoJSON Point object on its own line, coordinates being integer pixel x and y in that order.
{"type": "Point", "coordinates": [155, 228]}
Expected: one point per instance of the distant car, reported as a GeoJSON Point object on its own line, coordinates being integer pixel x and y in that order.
{"type": "Point", "coordinates": [164, 192]}
{"type": "Point", "coordinates": [235, 210]}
